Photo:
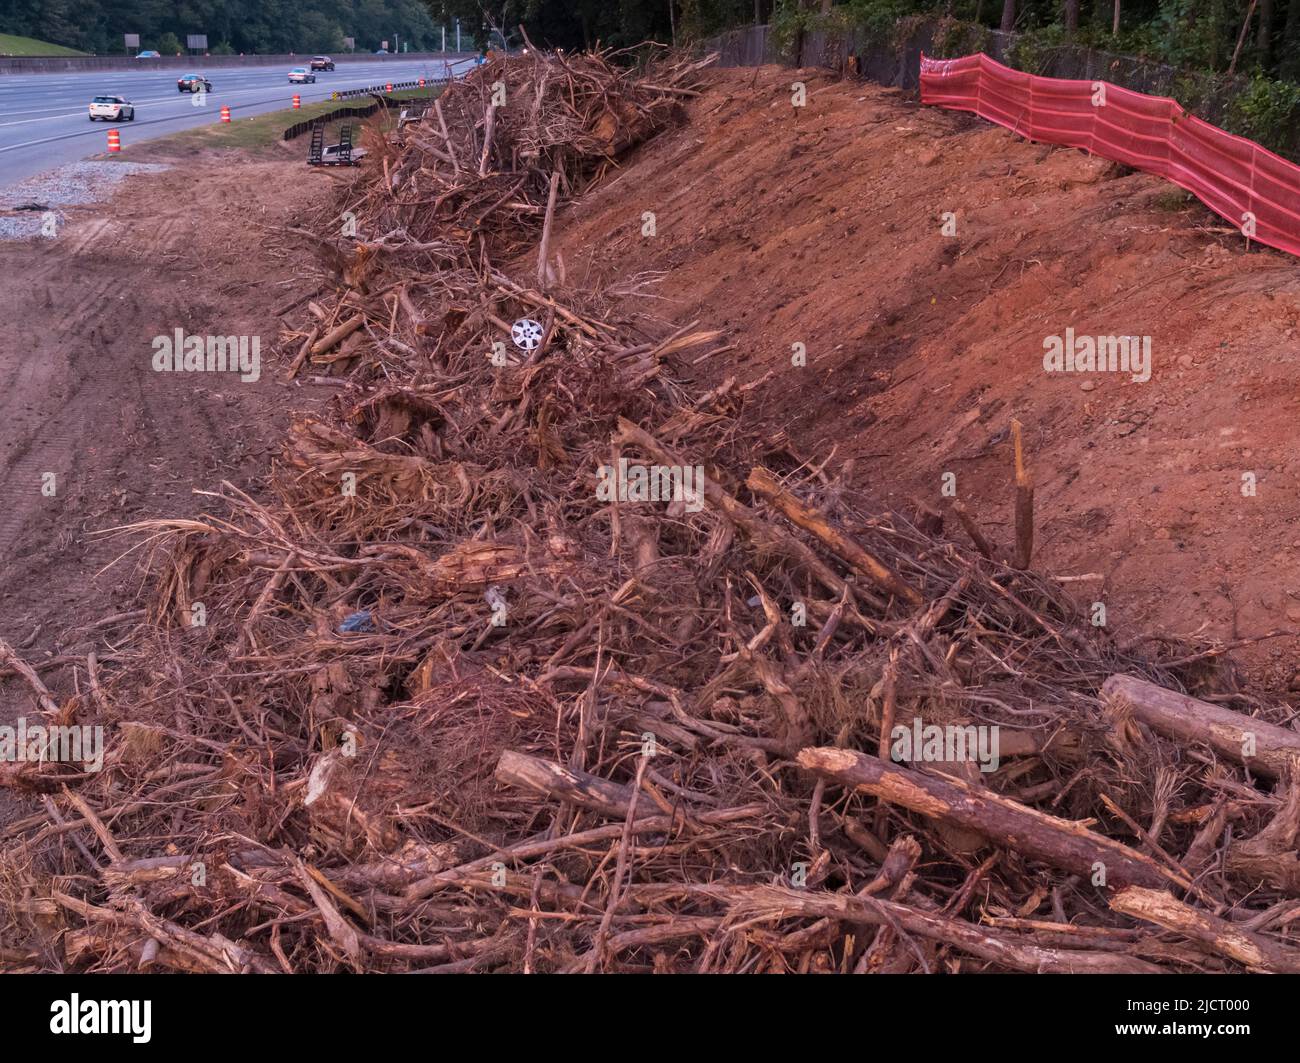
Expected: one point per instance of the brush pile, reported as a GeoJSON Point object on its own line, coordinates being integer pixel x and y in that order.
{"type": "Point", "coordinates": [456, 695]}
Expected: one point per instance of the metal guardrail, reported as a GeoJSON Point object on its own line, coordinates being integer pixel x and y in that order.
{"type": "Point", "coordinates": [384, 88]}
{"type": "Point", "coordinates": [382, 99]}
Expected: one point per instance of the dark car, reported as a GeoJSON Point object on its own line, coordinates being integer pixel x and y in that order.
{"type": "Point", "coordinates": [193, 83]}
{"type": "Point", "coordinates": [322, 62]}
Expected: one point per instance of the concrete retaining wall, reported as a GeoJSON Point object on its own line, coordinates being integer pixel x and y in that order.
{"type": "Point", "coordinates": [90, 63]}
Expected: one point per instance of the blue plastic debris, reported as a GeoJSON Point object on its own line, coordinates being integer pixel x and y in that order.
{"type": "Point", "coordinates": [361, 621]}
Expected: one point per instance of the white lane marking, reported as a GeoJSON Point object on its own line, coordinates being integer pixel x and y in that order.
{"type": "Point", "coordinates": [314, 87]}
{"type": "Point", "coordinates": [85, 132]}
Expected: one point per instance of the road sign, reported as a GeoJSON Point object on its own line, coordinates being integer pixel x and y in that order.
{"type": "Point", "coordinates": [197, 41]}
{"type": "Point", "coordinates": [350, 43]}
{"type": "Point", "coordinates": [131, 40]}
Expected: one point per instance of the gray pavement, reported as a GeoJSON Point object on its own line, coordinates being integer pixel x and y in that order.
{"type": "Point", "coordinates": [44, 124]}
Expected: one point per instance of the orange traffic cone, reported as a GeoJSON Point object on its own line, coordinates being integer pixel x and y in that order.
{"type": "Point", "coordinates": [114, 140]}
{"type": "Point", "coordinates": [225, 114]}
{"type": "Point", "coordinates": [297, 102]}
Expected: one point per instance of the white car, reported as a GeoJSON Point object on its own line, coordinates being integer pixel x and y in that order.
{"type": "Point", "coordinates": [112, 109]}
{"type": "Point", "coordinates": [300, 75]}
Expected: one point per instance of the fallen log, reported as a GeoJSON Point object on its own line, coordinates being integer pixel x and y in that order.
{"type": "Point", "coordinates": [1263, 747]}
{"type": "Point", "coordinates": [85, 944]}
{"type": "Point", "coordinates": [1000, 820]}
{"type": "Point", "coordinates": [1215, 934]}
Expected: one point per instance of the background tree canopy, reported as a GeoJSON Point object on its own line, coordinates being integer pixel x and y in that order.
{"type": "Point", "coordinates": [1196, 33]}
{"type": "Point", "coordinates": [320, 25]}
{"type": "Point", "coordinates": [275, 26]}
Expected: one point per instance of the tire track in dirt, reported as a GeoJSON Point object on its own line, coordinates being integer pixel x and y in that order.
{"type": "Point", "coordinates": [79, 397]}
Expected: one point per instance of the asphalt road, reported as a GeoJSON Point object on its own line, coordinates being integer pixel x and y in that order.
{"type": "Point", "coordinates": [44, 122]}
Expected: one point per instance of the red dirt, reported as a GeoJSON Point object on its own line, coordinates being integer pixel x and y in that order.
{"type": "Point", "coordinates": [822, 226]}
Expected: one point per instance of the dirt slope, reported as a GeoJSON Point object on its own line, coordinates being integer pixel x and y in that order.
{"type": "Point", "coordinates": [822, 225]}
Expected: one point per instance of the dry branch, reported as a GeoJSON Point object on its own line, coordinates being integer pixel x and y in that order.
{"type": "Point", "coordinates": [1035, 834]}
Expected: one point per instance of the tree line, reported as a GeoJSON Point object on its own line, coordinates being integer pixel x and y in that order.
{"type": "Point", "coordinates": [1257, 37]}
{"type": "Point", "coordinates": [1242, 36]}
{"type": "Point", "coordinates": [231, 26]}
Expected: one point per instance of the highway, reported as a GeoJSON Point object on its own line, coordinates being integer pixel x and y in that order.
{"type": "Point", "coordinates": [43, 119]}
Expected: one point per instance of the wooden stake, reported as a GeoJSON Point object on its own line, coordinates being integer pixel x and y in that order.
{"type": "Point", "coordinates": [1024, 502]}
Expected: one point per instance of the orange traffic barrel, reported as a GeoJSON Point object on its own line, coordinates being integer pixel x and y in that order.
{"type": "Point", "coordinates": [421, 82]}
{"type": "Point", "coordinates": [114, 140]}
{"type": "Point", "coordinates": [225, 114]}
{"type": "Point", "coordinates": [388, 87]}
{"type": "Point", "coordinates": [297, 102]}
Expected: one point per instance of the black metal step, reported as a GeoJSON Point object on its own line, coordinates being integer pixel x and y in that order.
{"type": "Point", "coordinates": [317, 149]}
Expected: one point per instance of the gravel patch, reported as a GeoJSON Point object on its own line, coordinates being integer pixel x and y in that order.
{"type": "Point", "coordinates": [22, 226]}
{"type": "Point", "coordinates": [24, 206]}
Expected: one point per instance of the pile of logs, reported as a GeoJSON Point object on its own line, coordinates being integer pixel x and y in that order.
{"type": "Point", "coordinates": [452, 708]}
